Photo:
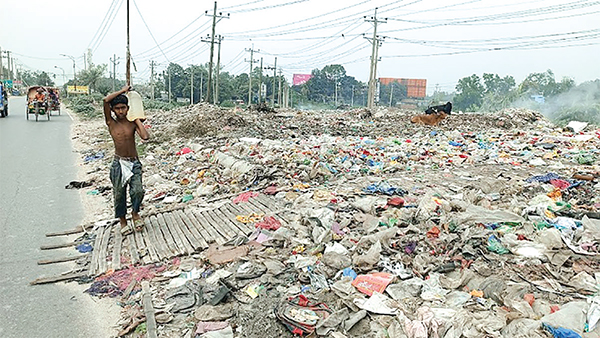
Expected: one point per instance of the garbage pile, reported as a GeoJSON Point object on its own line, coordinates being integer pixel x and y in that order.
{"type": "Point", "coordinates": [487, 225]}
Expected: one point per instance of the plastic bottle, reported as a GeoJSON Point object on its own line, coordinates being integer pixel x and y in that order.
{"type": "Point", "coordinates": [136, 108]}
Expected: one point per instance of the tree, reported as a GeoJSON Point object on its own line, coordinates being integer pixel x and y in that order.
{"type": "Point", "coordinates": [91, 76]}
{"type": "Point", "coordinates": [469, 93]}
{"type": "Point", "coordinates": [176, 74]}
{"type": "Point", "coordinates": [544, 84]}
{"type": "Point", "coordinates": [499, 92]}
{"type": "Point", "coordinates": [37, 78]}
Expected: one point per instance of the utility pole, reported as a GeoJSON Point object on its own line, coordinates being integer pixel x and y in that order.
{"type": "Point", "coordinates": [74, 73]}
{"type": "Point", "coordinates": [274, 77]}
{"type": "Point", "coordinates": [391, 92]}
{"type": "Point", "coordinates": [274, 68]}
{"type": "Point", "coordinates": [352, 99]}
{"type": "Point", "coordinates": [169, 69]}
{"type": "Point", "coordinates": [218, 70]}
{"type": "Point", "coordinates": [279, 92]}
{"type": "Point", "coordinates": [336, 90]}
{"type": "Point", "coordinates": [152, 78]}
{"type": "Point", "coordinates": [260, 82]}
{"type": "Point", "coordinates": [1, 66]}
{"type": "Point", "coordinates": [212, 47]}
{"type": "Point", "coordinates": [128, 69]}
{"type": "Point", "coordinates": [114, 72]}
{"type": "Point", "coordinates": [201, 83]}
{"type": "Point", "coordinates": [251, 50]}
{"type": "Point", "coordinates": [10, 74]}
{"type": "Point", "coordinates": [375, 41]}
{"type": "Point", "coordinates": [191, 84]}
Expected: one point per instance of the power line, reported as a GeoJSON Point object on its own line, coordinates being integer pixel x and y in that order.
{"type": "Point", "coordinates": [148, 28]}
{"type": "Point", "coordinates": [172, 36]}
{"type": "Point", "coordinates": [107, 28]}
{"type": "Point", "coordinates": [288, 24]}
{"type": "Point", "coordinates": [268, 7]}
{"type": "Point", "coordinates": [177, 44]}
{"type": "Point", "coordinates": [241, 5]}
{"type": "Point", "coordinates": [104, 22]}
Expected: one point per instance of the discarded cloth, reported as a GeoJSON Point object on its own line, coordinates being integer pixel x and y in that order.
{"type": "Point", "coordinates": [244, 197]}
{"type": "Point", "coordinates": [543, 178]}
{"type": "Point", "coordinates": [203, 327]}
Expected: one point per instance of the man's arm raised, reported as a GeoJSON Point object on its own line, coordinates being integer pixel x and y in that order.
{"type": "Point", "coordinates": [107, 117]}
{"type": "Point", "coordinates": [139, 127]}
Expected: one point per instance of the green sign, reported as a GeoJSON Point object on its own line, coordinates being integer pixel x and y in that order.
{"type": "Point", "coordinates": [8, 83]}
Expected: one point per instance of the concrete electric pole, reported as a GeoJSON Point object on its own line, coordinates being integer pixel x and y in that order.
{"type": "Point", "coordinates": [375, 42]}
{"type": "Point", "coordinates": [252, 61]}
{"type": "Point", "coordinates": [152, 79]}
{"type": "Point", "coordinates": [260, 82]}
{"type": "Point", "coordinates": [114, 72]}
{"type": "Point", "coordinates": [212, 47]}
{"type": "Point", "coordinates": [274, 68]}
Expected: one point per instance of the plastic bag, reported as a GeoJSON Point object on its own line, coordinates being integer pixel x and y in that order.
{"type": "Point", "coordinates": [373, 282]}
{"type": "Point", "coordinates": [571, 316]}
{"type": "Point", "coordinates": [560, 332]}
{"type": "Point", "coordinates": [370, 258]}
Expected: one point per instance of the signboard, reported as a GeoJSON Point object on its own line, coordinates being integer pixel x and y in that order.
{"type": "Point", "coordinates": [7, 83]}
{"type": "Point", "coordinates": [415, 88]}
{"type": "Point", "coordinates": [300, 79]}
{"type": "Point", "coordinates": [78, 90]}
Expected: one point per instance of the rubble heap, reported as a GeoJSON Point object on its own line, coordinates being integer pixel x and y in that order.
{"type": "Point", "coordinates": [486, 225]}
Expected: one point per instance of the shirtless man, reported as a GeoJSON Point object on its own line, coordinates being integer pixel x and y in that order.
{"type": "Point", "coordinates": [126, 167]}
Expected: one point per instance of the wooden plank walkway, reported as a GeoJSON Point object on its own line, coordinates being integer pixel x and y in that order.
{"type": "Point", "coordinates": [174, 233]}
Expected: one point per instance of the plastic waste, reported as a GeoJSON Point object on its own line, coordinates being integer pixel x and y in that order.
{"type": "Point", "coordinates": [593, 314]}
{"type": "Point", "coordinates": [576, 126]}
{"type": "Point", "coordinates": [495, 245]}
{"type": "Point", "coordinates": [571, 316]}
{"type": "Point", "coordinates": [370, 258]}
{"type": "Point", "coordinates": [377, 303]}
{"type": "Point", "coordinates": [136, 107]}
{"type": "Point", "coordinates": [373, 282]}
{"type": "Point", "coordinates": [560, 332]}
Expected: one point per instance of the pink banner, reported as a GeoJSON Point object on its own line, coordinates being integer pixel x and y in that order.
{"type": "Point", "coordinates": [300, 79]}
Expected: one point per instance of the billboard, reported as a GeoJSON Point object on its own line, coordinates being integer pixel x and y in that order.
{"type": "Point", "coordinates": [300, 79]}
{"type": "Point", "coordinates": [78, 90]}
{"type": "Point", "coordinates": [8, 83]}
{"type": "Point", "coordinates": [415, 88]}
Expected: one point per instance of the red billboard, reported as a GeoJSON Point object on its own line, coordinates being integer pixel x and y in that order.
{"type": "Point", "coordinates": [300, 79]}
{"type": "Point", "coordinates": [415, 88]}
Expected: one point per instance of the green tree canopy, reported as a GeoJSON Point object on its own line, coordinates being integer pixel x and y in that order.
{"type": "Point", "coordinates": [469, 93]}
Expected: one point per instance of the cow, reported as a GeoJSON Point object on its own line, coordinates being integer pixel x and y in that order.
{"type": "Point", "coordinates": [446, 108]}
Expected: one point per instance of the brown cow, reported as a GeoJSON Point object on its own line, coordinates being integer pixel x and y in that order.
{"type": "Point", "coordinates": [430, 120]}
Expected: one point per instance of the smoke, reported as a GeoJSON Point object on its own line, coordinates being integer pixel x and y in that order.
{"type": "Point", "coordinates": [581, 103]}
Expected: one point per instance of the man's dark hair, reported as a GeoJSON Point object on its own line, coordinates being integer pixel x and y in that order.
{"type": "Point", "coordinates": [121, 98]}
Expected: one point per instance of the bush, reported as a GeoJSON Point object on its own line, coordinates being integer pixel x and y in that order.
{"type": "Point", "coordinates": [87, 106]}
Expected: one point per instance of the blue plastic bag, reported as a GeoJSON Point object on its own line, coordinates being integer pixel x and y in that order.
{"type": "Point", "coordinates": [560, 332]}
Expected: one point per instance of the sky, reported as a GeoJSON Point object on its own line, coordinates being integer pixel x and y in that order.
{"type": "Point", "coordinates": [441, 41]}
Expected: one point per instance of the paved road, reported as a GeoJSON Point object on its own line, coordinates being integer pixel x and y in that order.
{"type": "Point", "coordinates": [36, 162]}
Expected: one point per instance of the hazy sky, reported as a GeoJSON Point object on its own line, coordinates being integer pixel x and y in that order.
{"type": "Point", "coordinates": [441, 41]}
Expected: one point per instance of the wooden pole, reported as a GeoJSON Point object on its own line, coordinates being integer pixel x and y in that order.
{"type": "Point", "coordinates": [128, 71]}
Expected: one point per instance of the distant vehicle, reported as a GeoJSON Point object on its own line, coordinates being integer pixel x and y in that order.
{"type": "Point", "coordinates": [35, 106]}
{"type": "Point", "coordinates": [3, 101]}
